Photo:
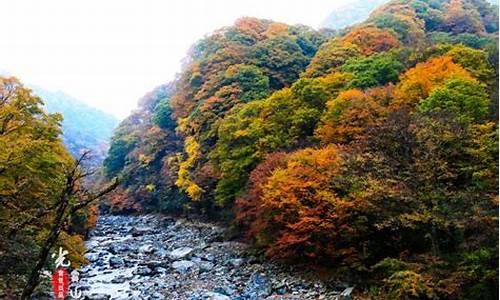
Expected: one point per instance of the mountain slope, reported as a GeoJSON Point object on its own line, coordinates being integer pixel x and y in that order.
{"type": "Point", "coordinates": [356, 12]}
{"type": "Point", "coordinates": [84, 127]}
{"type": "Point", "coordinates": [349, 14]}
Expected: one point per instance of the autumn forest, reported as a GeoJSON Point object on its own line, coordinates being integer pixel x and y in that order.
{"type": "Point", "coordinates": [368, 154]}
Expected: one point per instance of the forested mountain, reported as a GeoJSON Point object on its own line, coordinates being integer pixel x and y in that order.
{"type": "Point", "coordinates": [84, 127]}
{"type": "Point", "coordinates": [373, 152]}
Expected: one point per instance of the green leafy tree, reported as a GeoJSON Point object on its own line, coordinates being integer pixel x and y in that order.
{"type": "Point", "coordinates": [378, 69]}
{"type": "Point", "coordinates": [117, 155]}
{"type": "Point", "coordinates": [162, 115]}
{"type": "Point", "coordinates": [250, 80]}
{"type": "Point", "coordinates": [465, 98]}
{"type": "Point", "coordinates": [330, 57]}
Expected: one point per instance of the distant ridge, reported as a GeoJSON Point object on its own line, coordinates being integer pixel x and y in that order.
{"type": "Point", "coordinates": [84, 127]}
{"type": "Point", "coordinates": [356, 12]}
{"type": "Point", "coordinates": [351, 13]}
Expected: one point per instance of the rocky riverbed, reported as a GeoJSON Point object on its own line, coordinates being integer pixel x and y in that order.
{"type": "Point", "coordinates": [156, 257]}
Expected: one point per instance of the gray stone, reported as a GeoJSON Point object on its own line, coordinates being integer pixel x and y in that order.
{"type": "Point", "coordinates": [258, 287]}
{"type": "Point", "coordinates": [118, 279]}
{"type": "Point", "coordinates": [161, 270]}
{"type": "Point", "coordinates": [116, 261]}
{"type": "Point", "coordinates": [99, 262]}
{"type": "Point", "coordinates": [161, 252]}
{"type": "Point", "coordinates": [236, 262]}
{"type": "Point", "coordinates": [143, 271]}
{"type": "Point", "coordinates": [119, 248]}
{"type": "Point", "coordinates": [215, 296]}
{"type": "Point", "coordinates": [224, 290]}
{"type": "Point", "coordinates": [92, 257]}
{"type": "Point", "coordinates": [97, 297]}
{"type": "Point", "coordinates": [180, 253]}
{"type": "Point", "coordinates": [183, 266]}
{"type": "Point", "coordinates": [148, 248]}
{"type": "Point", "coordinates": [139, 231]}
{"type": "Point", "coordinates": [346, 294]}
{"type": "Point", "coordinates": [205, 266]}
{"type": "Point", "coordinates": [157, 296]}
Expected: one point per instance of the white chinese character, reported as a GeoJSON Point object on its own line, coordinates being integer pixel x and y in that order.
{"type": "Point", "coordinates": [61, 257]}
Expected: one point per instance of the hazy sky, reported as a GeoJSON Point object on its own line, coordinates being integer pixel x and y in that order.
{"type": "Point", "coordinates": [109, 53]}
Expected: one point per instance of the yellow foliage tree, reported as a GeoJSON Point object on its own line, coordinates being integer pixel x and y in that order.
{"type": "Point", "coordinates": [417, 83]}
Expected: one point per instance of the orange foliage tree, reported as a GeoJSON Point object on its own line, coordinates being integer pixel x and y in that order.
{"type": "Point", "coordinates": [301, 212]}
{"type": "Point", "coordinates": [248, 207]}
{"type": "Point", "coordinates": [417, 83]}
{"type": "Point", "coordinates": [121, 201]}
{"type": "Point", "coordinates": [458, 19]}
{"type": "Point", "coordinates": [349, 115]}
{"type": "Point", "coordinates": [370, 40]}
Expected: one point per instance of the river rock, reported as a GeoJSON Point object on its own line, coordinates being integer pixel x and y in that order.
{"type": "Point", "coordinates": [92, 257]}
{"type": "Point", "coordinates": [215, 296]}
{"type": "Point", "coordinates": [186, 261]}
{"type": "Point", "coordinates": [119, 279]}
{"type": "Point", "coordinates": [224, 290]}
{"type": "Point", "coordinates": [148, 248]}
{"type": "Point", "coordinates": [180, 253]}
{"type": "Point", "coordinates": [205, 266]}
{"type": "Point", "coordinates": [157, 296]}
{"type": "Point", "coordinates": [258, 286]}
{"type": "Point", "coordinates": [97, 297]}
{"type": "Point", "coordinates": [116, 261]}
{"type": "Point", "coordinates": [143, 271]}
{"type": "Point", "coordinates": [162, 253]}
{"type": "Point", "coordinates": [138, 231]}
{"type": "Point", "coordinates": [118, 248]}
{"type": "Point", "coordinates": [183, 266]}
{"type": "Point", "coordinates": [236, 262]}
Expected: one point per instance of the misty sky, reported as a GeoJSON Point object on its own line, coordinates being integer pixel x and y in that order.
{"type": "Point", "coordinates": [109, 53]}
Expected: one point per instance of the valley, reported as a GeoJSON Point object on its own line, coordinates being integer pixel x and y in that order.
{"type": "Point", "coordinates": [282, 161]}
